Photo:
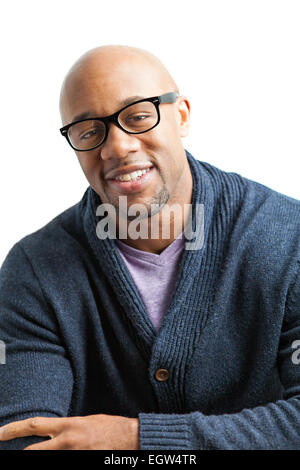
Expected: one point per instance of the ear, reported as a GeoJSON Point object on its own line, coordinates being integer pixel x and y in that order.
{"type": "Point", "coordinates": [183, 106]}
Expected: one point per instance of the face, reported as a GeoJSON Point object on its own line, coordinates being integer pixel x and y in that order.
{"type": "Point", "coordinates": [101, 91]}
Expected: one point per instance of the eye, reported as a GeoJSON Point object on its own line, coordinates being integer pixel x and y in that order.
{"type": "Point", "coordinates": [91, 133]}
{"type": "Point", "coordinates": [88, 135]}
{"type": "Point", "coordinates": [139, 118]}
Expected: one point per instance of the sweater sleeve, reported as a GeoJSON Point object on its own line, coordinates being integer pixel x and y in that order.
{"type": "Point", "coordinates": [273, 426]}
{"type": "Point", "coordinates": [35, 375]}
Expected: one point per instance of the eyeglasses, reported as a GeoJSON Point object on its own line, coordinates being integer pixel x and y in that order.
{"type": "Point", "coordinates": [135, 118]}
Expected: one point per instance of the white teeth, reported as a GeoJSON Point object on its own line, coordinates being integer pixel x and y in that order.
{"type": "Point", "coordinates": [132, 176]}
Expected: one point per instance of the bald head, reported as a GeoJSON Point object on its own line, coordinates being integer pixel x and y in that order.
{"type": "Point", "coordinates": [113, 71]}
{"type": "Point", "coordinates": [102, 82]}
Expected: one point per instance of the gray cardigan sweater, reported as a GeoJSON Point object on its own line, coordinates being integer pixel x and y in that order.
{"type": "Point", "coordinates": [79, 340]}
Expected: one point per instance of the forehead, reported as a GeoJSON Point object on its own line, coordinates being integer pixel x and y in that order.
{"type": "Point", "coordinates": [103, 90]}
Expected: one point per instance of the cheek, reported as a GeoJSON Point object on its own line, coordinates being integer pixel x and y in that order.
{"type": "Point", "coordinates": [161, 140]}
{"type": "Point", "coordinates": [88, 162]}
{"type": "Point", "coordinates": [166, 147]}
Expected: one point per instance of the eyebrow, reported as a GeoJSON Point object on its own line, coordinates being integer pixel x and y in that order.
{"type": "Point", "coordinates": [90, 114]}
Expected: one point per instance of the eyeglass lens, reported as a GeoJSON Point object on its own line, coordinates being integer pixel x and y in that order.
{"type": "Point", "coordinates": [137, 118]}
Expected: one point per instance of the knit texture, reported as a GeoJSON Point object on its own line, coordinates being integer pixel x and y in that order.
{"type": "Point", "coordinates": [79, 340]}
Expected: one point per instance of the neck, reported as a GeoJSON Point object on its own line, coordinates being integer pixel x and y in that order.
{"type": "Point", "coordinates": [169, 222]}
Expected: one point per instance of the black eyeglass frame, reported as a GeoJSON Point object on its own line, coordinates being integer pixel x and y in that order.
{"type": "Point", "coordinates": [156, 100]}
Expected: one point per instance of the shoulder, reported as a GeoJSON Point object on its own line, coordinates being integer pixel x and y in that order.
{"type": "Point", "coordinates": [261, 225]}
{"type": "Point", "coordinates": [260, 206]}
{"type": "Point", "coordinates": [57, 244]}
{"type": "Point", "coordinates": [275, 217]}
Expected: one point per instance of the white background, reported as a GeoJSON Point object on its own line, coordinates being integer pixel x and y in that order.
{"type": "Point", "coordinates": [236, 60]}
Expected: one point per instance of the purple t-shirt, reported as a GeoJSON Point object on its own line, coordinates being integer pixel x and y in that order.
{"type": "Point", "coordinates": [154, 275]}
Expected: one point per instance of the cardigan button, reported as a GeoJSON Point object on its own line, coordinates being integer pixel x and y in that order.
{"type": "Point", "coordinates": [162, 375]}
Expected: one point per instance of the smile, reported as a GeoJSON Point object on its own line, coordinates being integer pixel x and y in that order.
{"type": "Point", "coordinates": [132, 182]}
{"type": "Point", "coordinates": [132, 176]}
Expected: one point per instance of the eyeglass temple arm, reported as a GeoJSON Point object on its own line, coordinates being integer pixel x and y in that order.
{"type": "Point", "coordinates": [168, 97]}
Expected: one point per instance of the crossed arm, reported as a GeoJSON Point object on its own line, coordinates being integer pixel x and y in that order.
{"type": "Point", "coordinates": [275, 425]}
{"type": "Point", "coordinates": [94, 432]}
{"type": "Point", "coordinates": [36, 380]}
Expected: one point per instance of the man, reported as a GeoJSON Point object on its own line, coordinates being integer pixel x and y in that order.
{"type": "Point", "coordinates": [139, 343]}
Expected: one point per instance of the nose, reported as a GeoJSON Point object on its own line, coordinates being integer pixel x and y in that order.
{"type": "Point", "coordinates": [119, 144]}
